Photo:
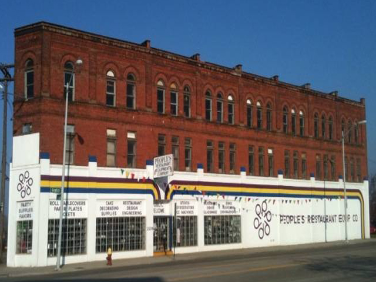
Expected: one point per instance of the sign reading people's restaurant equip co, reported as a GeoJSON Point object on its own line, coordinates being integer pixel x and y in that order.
{"type": "Point", "coordinates": [163, 166]}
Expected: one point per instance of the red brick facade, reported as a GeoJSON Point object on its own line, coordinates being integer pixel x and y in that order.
{"type": "Point", "coordinates": [51, 46]}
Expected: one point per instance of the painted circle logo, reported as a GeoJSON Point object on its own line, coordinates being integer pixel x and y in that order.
{"type": "Point", "coordinates": [262, 219]}
{"type": "Point", "coordinates": [24, 184]}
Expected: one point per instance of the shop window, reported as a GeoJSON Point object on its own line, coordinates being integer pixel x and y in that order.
{"type": "Point", "coordinates": [269, 117]}
{"type": "Point", "coordinates": [131, 92]}
{"type": "Point", "coordinates": [301, 123]}
{"type": "Point", "coordinates": [24, 237]}
{"type": "Point", "coordinates": [161, 145]}
{"type": "Point", "coordinates": [187, 101]}
{"type": "Point", "coordinates": [232, 157]}
{"type": "Point", "coordinates": [261, 159]}
{"type": "Point", "coordinates": [251, 161]}
{"type": "Point", "coordinates": [175, 151]}
{"type": "Point", "coordinates": [160, 97]}
{"type": "Point", "coordinates": [219, 107]}
{"type": "Point", "coordinates": [231, 110]}
{"type": "Point", "coordinates": [208, 106]}
{"type": "Point", "coordinates": [295, 164]}
{"type": "Point", "coordinates": [270, 163]}
{"type": "Point", "coordinates": [69, 149]}
{"type": "Point", "coordinates": [111, 89]}
{"type": "Point", "coordinates": [186, 231]}
{"type": "Point", "coordinates": [73, 239]}
{"type": "Point", "coordinates": [222, 230]}
{"type": "Point", "coordinates": [131, 149]}
{"type": "Point", "coordinates": [304, 165]}
{"type": "Point", "coordinates": [69, 81]}
{"type": "Point", "coordinates": [111, 147]}
{"type": "Point", "coordinates": [293, 122]}
{"type": "Point", "coordinates": [285, 120]}
{"type": "Point", "coordinates": [188, 154]}
{"type": "Point", "coordinates": [249, 113]}
{"type": "Point", "coordinates": [120, 233]}
{"type": "Point", "coordinates": [209, 156]}
{"type": "Point", "coordinates": [29, 79]}
{"type": "Point", "coordinates": [221, 157]}
{"type": "Point", "coordinates": [174, 109]}
{"type": "Point", "coordinates": [287, 163]}
{"type": "Point", "coordinates": [259, 115]}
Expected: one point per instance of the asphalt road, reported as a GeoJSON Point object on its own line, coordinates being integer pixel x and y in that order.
{"type": "Point", "coordinates": [337, 263]}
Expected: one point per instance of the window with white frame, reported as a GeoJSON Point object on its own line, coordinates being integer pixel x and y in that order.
{"type": "Point", "coordinates": [269, 117]}
{"type": "Point", "coordinates": [285, 120]}
{"type": "Point", "coordinates": [301, 123]}
{"type": "Point", "coordinates": [249, 113]}
{"type": "Point", "coordinates": [316, 125]}
{"type": "Point", "coordinates": [187, 101]}
{"type": "Point", "coordinates": [209, 156]}
{"type": "Point", "coordinates": [120, 233]}
{"type": "Point", "coordinates": [293, 122]}
{"type": "Point", "coordinates": [323, 126]}
{"type": "Point", "coordinates": [270, 162]}
{"type": "Point", "coordinates": [222, 229]}
{"type": "Point", "coordinates": [131, 149]}
{"type": "Point", "coordinates": [160, 97]}
{"type": "Point", "coordinates": [73, 240]}
{"type": "Point", "coordinates": [251, 160]}
{"type": "Point", "coordinates": [287, 163]}
{"type": "Point", "coordinates": [175, 151]}
{"type": "Point", "coordinates": [232, 157]}
{"type": "Point", "coordinates": [185, 233]}
{"type": "Point", "coordinates": [29, 79]}
{"type": "Point", "coordinates": [230, 109]}
{"type": "Point", "coordinates": [161, 145]}
{"type": "Point", "coordinates": [221, 157]}
{"type": "Point", "coordinates": [174, 110]}
{"type": "Point", "coordinates": [69, 81]}
{"type": "Point", "coordinates": [24, 238]}
{"type": "Point", "coordinates": [69, 149]}
{"type": "Point", "coordinates": [188, 154]}
{"type": "Point", "coordinates": [131, 91]}
{"type": "Point", "coordinates": [219, 107]}
{"type": "Point", "coordinates": [111, 147]}
{"type": "Point", "coordinates": [208, 106]}
{"type": "Point", "coordinates": [259, 115]}
{"type": "Point", "coordinates": [111, 89]}
{"type": "Point", "coordinates": [261, 160]}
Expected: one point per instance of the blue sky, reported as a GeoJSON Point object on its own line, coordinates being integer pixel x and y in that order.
{"type": "Point", "coordinates": [330, 44]}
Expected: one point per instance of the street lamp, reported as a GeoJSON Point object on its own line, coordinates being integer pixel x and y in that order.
{"type": "Point", "coordinates": [77, 63]}
{"type": "Point", "coordinates": [344, 134]}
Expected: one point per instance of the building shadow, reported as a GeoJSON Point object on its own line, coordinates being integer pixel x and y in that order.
{"type": "Point", "coordinates": [131, 279]}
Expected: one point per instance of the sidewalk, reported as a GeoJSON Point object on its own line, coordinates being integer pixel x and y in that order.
{"type": "Point", "coordinates": [181, 258]}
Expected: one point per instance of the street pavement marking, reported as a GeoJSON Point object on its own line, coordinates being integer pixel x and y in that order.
{"type": "Point", "coordinates": [236, 272]}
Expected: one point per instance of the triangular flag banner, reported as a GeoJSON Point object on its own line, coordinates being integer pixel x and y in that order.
{"type": "Point", "coordinates": [249, 199]}
{"type": "Point", "coordinates": [236, 198]}
{"type": "Point", "coordinates": [122, 171]}
{"type": "Point", "coordinates": [223, 196]}
{"type": "Point", "coordinates": [240, 199]}
{"type": "Point", "coordinates": [273, 201]}
{"type": "Point", "coordinates": [143, 179]}
{"type": "Point", "coordinates": [132, 175]}
{"type": "Point", "coordinates": [127, 174]}
{"type": "Point", "coordinates": [203, 193]}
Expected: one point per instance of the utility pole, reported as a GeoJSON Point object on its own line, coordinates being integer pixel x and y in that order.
{"type": "Point", "coordinates": [7, 78]}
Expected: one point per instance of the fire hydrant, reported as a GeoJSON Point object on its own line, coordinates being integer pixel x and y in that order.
{"type": "Point", "coordinates": [109, 256]}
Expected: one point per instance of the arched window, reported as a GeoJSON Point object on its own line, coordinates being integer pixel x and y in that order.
{"type": "Point", "coordinates": [356, 133]}
{"type": "Point", "coordinates": [208, 106]}
{"type": "Point", "coordinates": [285, 119]}
{"type": "Point", "coordinates": [301, 123]}
{"type": "Point", "coordinates": [69, 82]}
{"type": "Point", "coordinates": [330, 123]}
{"type": "Point", "coordinates": [259, 115]}
{"type": "Point", "coordinates": [316, 125]}
{"type": "Point", "coordinates": [323, 126]}
{"type": "Point", "coordinates": [293, 122]}
{"type": "Point", "coordinates": [269, 117]}
{"type": "Point", "coordinates": [231, 109]}
{"type": "Point", "coordinates": [249, 113]}
{"type": "Point", "coordinates": [349, 131]}
{"type": "Point", "coordinates": [160, 97]}
{"type": "Point", "coordinates": [187, 101]}
{"type": "Point", "coordinates": [174, 99]}
{"type": "Point", "coordinates": [131, 91]}
{"type": "Point", "coordinates": [111, 89]}
{"type": "Point", "coordinates": [342, 127]}
{"type": "Point", "coordinates": [219, 107]}
{"type": "Point", "coordinates": [29, 79]}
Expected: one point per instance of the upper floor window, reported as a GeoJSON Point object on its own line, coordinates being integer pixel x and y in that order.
{"type": "Point", "coordinates": [323, 126]}
{"type": "Point", "coordinates": [349, 132]}
{"type": "Point", "coordinates": [221, 157]}
{"type": "Point", "coordinates": [293, 122]}
{"type": "Point", "coordinates": [131, 92]}
{"type": "Point", "coordinates": [188, 154]}
{"type": "Point", "coordinates": [356, 133]}
{"type": "Point", "coordinates": [174, 99]}
{"type": "Point", "coordinates": [301, 123]}
{"type": "Point", "coordinates": [285, 119]}
{"type": "Point", "coordinates": [131, 149]}
{"type": "Point", "coordinates": [249, 113]}
{"type": "Point", "coordinates": [231, 110]}
{"type": "Point", "coordinates": [111, 147]}
{"type": "Point", "coordinates": [232, 157]}
{"type": "Point", "coordinates": [160, 97]}
{"type": "Point", "coordinates": [269, 117]}
{"type": "Point", "coordinates": [161, 145]}
{"type": "Point", "coordinates": [69, 82]}
{"type": "Point", "coordinates": [29, 79]}
{"type": "Point", "coordinates": [209, 156]}
{"type": "Point", "coordinates": [330, 123]}
{"type": "Point", "coordinates": [69, 149]}
{"type": "Point", "coordinates": [343, 127]}
{"type": "Point", "coordinates": [208, 106]}
{"type": "Point", "coordinates": [27, 128]}
{"type": "Point", "coordinates": [219, 107]}
{"type": "Point", "coordinates": [259, 115]}
{"type": "Point", "coordinates": [110, 89]}
{"type": "Point", "coordinates": [316, 125]}
{"type": "Point", "coordinates": [187, 101]}
{"type": "Point", "coordinates": [270, 163]}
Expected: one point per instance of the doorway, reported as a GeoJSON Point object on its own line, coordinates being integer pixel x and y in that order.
{"type": "Point", "coordinates": [162, 235]}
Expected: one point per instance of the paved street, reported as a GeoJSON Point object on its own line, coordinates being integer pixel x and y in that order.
{"type": "Point", "coordinates": [331, 262]}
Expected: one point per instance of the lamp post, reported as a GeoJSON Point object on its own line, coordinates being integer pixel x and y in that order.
{"type": "Point", "coordinates": [78, 63]}
{"type": "Point", "coordinates": [344, 134]}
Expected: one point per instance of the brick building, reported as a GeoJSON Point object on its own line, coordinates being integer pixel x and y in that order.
{"type": "Point", "coordinates": [223, 118]}
{"type": "Point", "coordinates": [256, 160]}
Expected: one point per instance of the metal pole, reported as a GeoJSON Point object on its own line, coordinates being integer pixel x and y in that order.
{"type": "Point", "coordinates": [3, 168]}
{"type": "Point", "coordinates": [176, 235]}
{"type": "Point", "coordinates": [63, 178]}
{"type": "Point", "coordinates": [344, 182]}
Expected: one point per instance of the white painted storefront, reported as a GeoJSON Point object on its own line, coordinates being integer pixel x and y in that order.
{"type": "Point", "coordinates": [213, 211]}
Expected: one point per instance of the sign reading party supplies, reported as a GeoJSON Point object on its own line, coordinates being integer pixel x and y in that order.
{"type": "Point", "coordinates": [163, 166]}
{"type": "Point", "coordinates": [25, 210]}
{"type": "Point", "coordinates": [120, 208]}
{"type": "Point", "coordinates": [72, 209]}
{"type": "Point", "coordinates": [187, 208]}
{"type": "Point", "coordinates": [221, 208]}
